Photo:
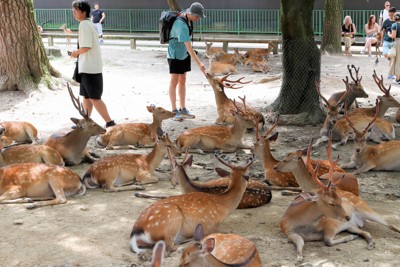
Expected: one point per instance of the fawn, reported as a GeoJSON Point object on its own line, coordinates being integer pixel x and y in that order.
{"type": "Point", "coordinates": [174, 218]}
{"type": "Point", "coordinates": [17, 132]}
{"type": "Point", "coordinates": [210, 51]}
{"type": "Point", "coordinates": [219, 250]}
{"type": "Point", "coordinates": [25, 182]}
{"type": "Point", "coordinates": [127, 135]}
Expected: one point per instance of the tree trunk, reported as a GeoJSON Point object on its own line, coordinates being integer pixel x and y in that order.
{"type": "Point", "coordinates": [331, 40]}
{"type": "Point", "coordinates": [24, 63]}
{"type": "Point", "coordinates": [301, 65]}
{"type": "Point", "coordinates": [173, 5]}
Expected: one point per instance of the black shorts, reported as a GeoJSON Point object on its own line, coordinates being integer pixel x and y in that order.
{"type": "Point", "coordinates": [91, 85]}
{"type": "Point", "coordinates": [177, 66]}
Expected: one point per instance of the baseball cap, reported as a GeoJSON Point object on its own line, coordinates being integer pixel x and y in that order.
{"type": "Point", "coordinates": [196, 9]}
{"type": "Point", "coordinates": [392, 9]}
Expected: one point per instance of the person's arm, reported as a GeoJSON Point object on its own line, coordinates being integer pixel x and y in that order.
{"type": "Point", "coordinates": [193, 55]}
{"type": "Point", "coordinates": [393, 33]}
{"type": "Point", "coordinates": [354, 30]}
{"type": "Point", "coordinates": [103, 16]}
{"type": "Point", "coordinates": [80, 51]}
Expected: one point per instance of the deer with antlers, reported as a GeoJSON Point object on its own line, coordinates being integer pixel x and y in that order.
{"type": "Point", "coordinates": [279, 178]}
{"type": "Point", "coordinates": [29, 153]}
{"type": "Point", "coordinates": [355, 90]}
{"type": "Point", "coordinates": [17, 132]}
{"type": "Point", "coordinates": [72, 145]}
{"type": "Point", "coordinates": [226, 138]}
{"type": "Point", "coordinates": [174, 218]}
{"type": "Point", "coordinates": [366, 157]}
{"type": "Point", "coordinates": [123, 172]}
{"type": "Point", "coordinates": [386, 101]}
{"type": "Point", "coordinates": [128, 135]}
{"type": "Point", "coordinates": [47, 184]}
{"type": "Point", "coordinates": [224, 104]}
{"type": "Point", "coordinates": [257, 194]}
{"type": "Point", "coordinates": [219, 250]}
{"type": "Point", "coordinates": [323, 220]}
{"type": "Point", "coordinates": [382, 130]}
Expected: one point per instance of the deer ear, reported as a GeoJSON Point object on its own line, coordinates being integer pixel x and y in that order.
{"type": "Point", "coordinates": [299, 153]}
{"type": "Point", "coordinates": [273, 137]}
{"type": "Point", "coordinates": [208, 245]}
{"type": "Point", "coordinates": [75, 120]}
{"type": "Point", "coordinates": [189, 161]}
{"type": "Point", "coordinates": [150, 108]}
{"type": "Point", "coordinates": [198, 233]}
{"type": "Point", "coordinates": [221, 172]}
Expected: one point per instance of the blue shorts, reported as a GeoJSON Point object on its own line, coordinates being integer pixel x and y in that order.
{"type": "Point", "coordinates": [386, 46]}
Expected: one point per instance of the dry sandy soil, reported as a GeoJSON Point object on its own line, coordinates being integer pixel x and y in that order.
{"type": "Point", "coordinates": [94, 230]}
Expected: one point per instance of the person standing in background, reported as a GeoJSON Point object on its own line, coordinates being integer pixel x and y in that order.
{"type": "Point", "coordinates": [97, 18]}
{"type": "Point", "coordinates": [180, 52]}
{"type": "Point", "coordinates": [387, 40]}
{"type": "Point", "coordinates": [384, 14]}
{"type": "Point", "coordinates": [395, 34]}
{"type": "Point", "coordinates": [90, 63]}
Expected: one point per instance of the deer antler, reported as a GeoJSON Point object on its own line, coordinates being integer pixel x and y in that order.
{"type": "Point", "coordinates": [272, 127]}
{"type": "Point", "coordinates": [77, 104]}
{"type": "Point", "coordinates": [379, 82]}
{"type": "Point", "coordinates": [225, 82]}
{"type": "Point", "coordinates": [244, 101]}
{"type": "Point", "coordinates": [318, 87]}
{"type": "Point", "coordinates": [357, 80]}
{"type": "Point", "coordinates": [346, 94]}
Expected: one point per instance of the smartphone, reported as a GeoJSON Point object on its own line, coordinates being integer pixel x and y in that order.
{"type": "Point", "coordinates": [69, 53]}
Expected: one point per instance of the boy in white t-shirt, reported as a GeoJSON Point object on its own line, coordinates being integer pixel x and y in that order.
{"type": "Point", "coordinates": [90, 64]}
{"type": "Point", "coordinates": [384, 14]}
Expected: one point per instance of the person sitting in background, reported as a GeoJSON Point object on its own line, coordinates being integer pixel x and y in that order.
{"type": "Point", "coordinates": [371, 30]}
{"type": "Point", "coordinates": [348, 33]}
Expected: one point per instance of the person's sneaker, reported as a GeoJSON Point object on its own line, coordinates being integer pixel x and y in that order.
{"type": "Point", "coordinates": [186, 114]}
{"type": "Point", "coordinates": [178, 116]}
{"type": "Point", "coordinates": [391, 77]}
{"type": "Point", "coordinates": [362, 52]}
{"type": "Point", "coordinates": [101, 41]}
{"type": "Point", "coordinates": [110, 123]}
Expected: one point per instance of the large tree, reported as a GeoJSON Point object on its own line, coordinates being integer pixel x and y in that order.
{"type": "Point", "coordinates": [24, 63]}
{"type": "Point", "coordinates": [301, 65]}
{"type": "Point", "coordinates": [331, 40]}
{"type": "Point", "coordinates": [173, 5]}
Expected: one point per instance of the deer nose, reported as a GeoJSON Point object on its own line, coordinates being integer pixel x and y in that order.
{"type": "Point", "coordinates": [358, 150]}
{"type": "Point", "coordinates": [348, 218]}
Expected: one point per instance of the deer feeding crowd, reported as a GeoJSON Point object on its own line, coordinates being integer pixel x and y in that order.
{"type": "Point", "coordinates": [326, 203]}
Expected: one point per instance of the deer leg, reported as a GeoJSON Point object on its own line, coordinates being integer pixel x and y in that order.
{"type": "Point", "coordinates": [349, 165]}
{"type": "Point", "coordinates": [14, 195]}
{"type": "Point", "coordinates": [59, 199]}
{"type": "Point", "coordinates": [341, 143]}
{"type": "Point", "coordinates": [364, 168]}
{"type": "Point", "coordinates": [87, 157]}
{"type": "Point", "coordinates": [364, 234]}
{"type": "Point", "coordinates": [145, 177]}
{"type": "Point", "coordinates": [298, 241]}
{"type": "Point", "coordinates": [31, 136]}
{"type": "Point", "coordinates": [320, 140]}
{"type": "Point", "coordinates": [113, 188]}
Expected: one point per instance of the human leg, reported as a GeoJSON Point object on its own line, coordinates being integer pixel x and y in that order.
{"type": "Point", "coordinates": [172, 89]}
{"type": "Point", "coordinates": [101, 108]}
{"type": "Point", "coordinates": [182, 90]}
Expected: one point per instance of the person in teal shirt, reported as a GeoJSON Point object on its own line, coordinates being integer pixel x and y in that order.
{"type": "Point", "coordinates": [180, 53]}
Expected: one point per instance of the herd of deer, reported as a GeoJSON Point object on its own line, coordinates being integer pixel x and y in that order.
{"type": "Point", "coordinates": [328, 202]}
{"type": "Point", "coordinates": [221, 63]}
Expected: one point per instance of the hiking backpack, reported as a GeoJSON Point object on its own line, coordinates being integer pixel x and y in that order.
{"type": "Point", "coordinates": [165, 23]}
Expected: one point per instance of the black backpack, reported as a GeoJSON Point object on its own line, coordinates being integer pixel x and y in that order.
{"type": "Point", "coordinates": [165, 23]}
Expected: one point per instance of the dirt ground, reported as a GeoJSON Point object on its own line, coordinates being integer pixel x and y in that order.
{"type": "Point", "coordinates": [93, 230]}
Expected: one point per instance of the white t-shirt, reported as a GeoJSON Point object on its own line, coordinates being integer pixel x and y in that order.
{"type": "Point", "coordinates": [384, 15]}
{"type": "Point", "coordinates": [91, 61]}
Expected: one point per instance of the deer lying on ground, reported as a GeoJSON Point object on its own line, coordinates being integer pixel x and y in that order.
{"type": "Point", "coordinates": [256, 194]}
{"type": "Point", "coordinates": [174, 218]}
{"type": "Point", "coordinates": [219, 250]}
{"type": "Point", "coordinates": [210, 51]}
{"type": "Point", "coordinates": [123, 172]}
{"type": "Point", "coordinates": [72, 145]}
{"type": "Point", "coordinates": [66, 31]}
{"type": "Point", "coordinates": [257, 52]}
{"type": "Point", "coordinates": [385, 102]}
{"type": "Point", "coordinates": [26, 182]}
{"type": "Point", "coordinates": [220, 68]}
{"type": "Point", "coordinates": [381, 157]}
{"type": "Point", "coordinates": [127, 135]}
{"type": "Point", "coordinates": [17, 132]}
{"type": "Point", "coordinates": [282, 179]}
{"type": "Point", "coordinates": [226, 138]}
{"type": "Point", "coordinates": [260, 66]}
{"type": "Point", "coordinates": [355, 209]}
{"type": "Point", "coordinates": [29, 153]}
{"type": "Point", "coordinates": [224, 104]}
{"type": "Point", "coordinates": [356, 90]}
{"type": "Point", "coordinates": [382, 130]}
{"type": "Point", "coordinates": [232, 59]}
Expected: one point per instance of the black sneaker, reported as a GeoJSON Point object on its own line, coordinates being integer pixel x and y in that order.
{"type": "Point", "coordinates": [110, 123]}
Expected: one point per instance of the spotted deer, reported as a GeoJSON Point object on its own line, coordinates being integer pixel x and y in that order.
{"type": "Point", "coordinates": [210, 51]}
{"type": "Point", "coordinates": [226, 138]}
{"type": "Point", "coordinates": [174, 218]}
{"type": "Point", "coordinates": [386, 101]}
{"type": "Point", "coordinates": [383, 156]}
{"type": "Point", "coordinates": [72, 145]}
{"type": "Point", "coordinates": [125, 171]}
{"type": "Point", "coordinates": [232, 59]}
{"type": "Point", "coordinates": [128, 135]}
{"type": "Point", "coordinates": [256, 194]}
{"type": "Point", "coordinates": [219, 250]}
{"type": "Point", "coordinates": [29, 153]}
{"type": "Point", "coordinates": [216, 67]}
{"type": "Point", "coordinates": [31, 182]}
{"type": "Point", "coordinates": [68, 32]}
{"type": "Point", "coordinates": [224, 104]}
{"type": "Point", "coordinates": [17, 132]}
{"type": "Point", "coordinates": [258, 52]}
{"type": "Point", "coordinates": [280, 178]}
{"type": "Point", "coordinates": [356, 90]}
{"type": "Point", "coordinates": [356, 210]}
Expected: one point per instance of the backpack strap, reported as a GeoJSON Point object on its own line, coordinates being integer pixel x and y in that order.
{"type": "Point", "coordinates": [185, 19]}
